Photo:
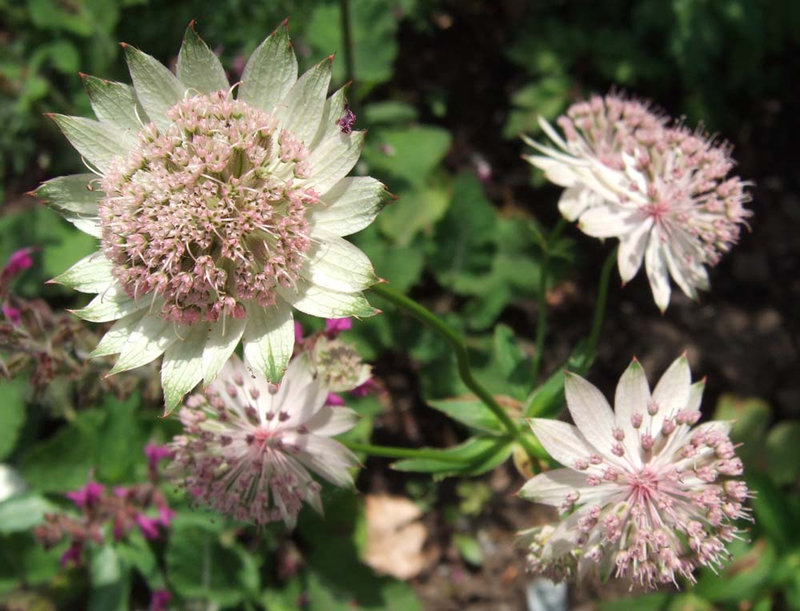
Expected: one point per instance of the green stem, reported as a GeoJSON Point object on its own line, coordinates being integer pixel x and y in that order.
{"type": "Point", "coordinates": [394, 452]}
{"type": "Point", "coordinates": [347, 35]}
{"type": "Point", "coordinates": [600, 304]}
{"type": "Point", "coordinates": [462, 358]}
{"type": "Point", "coordinates": [541, 319]}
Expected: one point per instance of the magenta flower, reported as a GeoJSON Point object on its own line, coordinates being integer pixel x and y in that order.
{"type": "Point", "coordinates": [159, 599]}
{"type": "Point", "coordinates": [73, 555]}
{"type": "Point", "coordinates": [663, 191]}
{"type": "Point", "coordinates": [334, 326]}
{"type": "Point", "coordinates": [19, 260]}
{"type": "Point", "coordinates": [12, 314]}
{"type": "Point", "coordinates": [249, 445]}
{"type": "Point", "coordinates": [86, 496]}
{"type": "Point", "coordinates": [645, 495]}
{"type": "Point", "coordinates": [155, 453]}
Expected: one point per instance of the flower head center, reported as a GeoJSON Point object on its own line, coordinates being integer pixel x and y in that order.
{"type": "Point", "coordinates": [643, 485]}
{"type": "Point", "coordinates": [208, 214]}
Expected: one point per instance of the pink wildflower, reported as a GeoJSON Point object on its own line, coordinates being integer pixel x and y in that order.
{"type": "Point", "coordinates": [86, 496]}
{"type": "Point", "coordinates": [12, 314]}
{"type": "Point", "coordinates": [73, 555]}
{"type": "Point", "coordinates": [155, 453]}
{"type": "Point", "coordinates": [663, 191]}
{"type": "Point", "coordinates": [334, 399]}
{"type": "Point", "coordinates": [18, 261]}
{"type": "Point", "coordinates": [647, 496]}
{"type": "Point", "coordinates": [248, 446]}
{"type": "Point", "coordinates": [334, 326]}
{"type": "Point", "coordinates": [159, 599]}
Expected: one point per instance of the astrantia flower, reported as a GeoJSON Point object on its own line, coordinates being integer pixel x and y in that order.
{"type": "Point", "coordinates": [663, 191]}
{"type": "Point", "coordinates": [217, 215]}
{"type": "Point", "coordinates": [249, 445]}
{"type": "Point", "coordinates": [646, 495]}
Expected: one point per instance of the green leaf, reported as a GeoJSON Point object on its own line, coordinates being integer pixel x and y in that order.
{"type": "Point", "coordinates": [481, 454]}
{"type": "Point", "coordinates": [135, 552]}
{"type": "Point", "coordinates": [416, 210]}
{"type": "Point", "coordinates": [373, 27]}
{"type": "Point", "coordinates": [783, 452]}
{"type": "Point", "coordinates": [750, 418]}
{"type": "Point", "coordinates": [401, 266]}
{"type": "Point", "coordinates": [464, 241]}
{"type": "Point", "coordinates": [12, 414]}
{"type": "Point", "coordinates": [201, 566]}
{"type": "Point", "coordinates": [409, 154]}
{"type": "Point", "coordinates": [63, 462]}
{"type": "Point", "coordinates": [469, 548]}
{"type": "Point", "coordinates": [22, 512]}
{"type": "Point", "coordinates": [389, 112]}
{"type": "Point", "coordinates": [646, 602]}
{"type": "Point", "coordinates": [120, 442]}
{"type": "Point", "coordinates": [742, 579]}
{"type": "Point", "coordinates": [772, 512]}
{"type": "Point", "coordinates": [471, 412]}
{"type": "Point", "coordinates": [110, 581]}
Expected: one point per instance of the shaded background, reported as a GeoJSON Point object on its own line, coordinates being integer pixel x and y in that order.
{"type": "Point", "coordinates": [445, 88]}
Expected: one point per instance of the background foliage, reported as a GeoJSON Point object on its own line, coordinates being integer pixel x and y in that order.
{"type": "Point", "coordinates": [444, 88]}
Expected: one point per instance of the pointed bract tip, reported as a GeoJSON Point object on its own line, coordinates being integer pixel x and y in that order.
{"type": "Point", "coordinates": [83, 75]}
{"type": "Point", "coordinates": [284, 23]}
{"type": "Point", "coordinates": [381, 280]}
{"type": "Point", "coordinates": [124, 45]}
{"type": "Point", "coordinates": [634, 360]}
{"type": "Point", "coordinates": [330, 57]}
{"type": "Point", "coordinates": [192, 23]}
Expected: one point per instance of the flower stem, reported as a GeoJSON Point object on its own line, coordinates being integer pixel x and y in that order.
{"type": "Point", "coordinates": [541, 319]}
{"type": "Point", "coordinates": [600, 304]}
{"type": "Point", "coordinates": [347, 36]}
{"type": "Point", "coordinates": [395, 452]}
{"type": "Point", "coordinates": [462, 358]}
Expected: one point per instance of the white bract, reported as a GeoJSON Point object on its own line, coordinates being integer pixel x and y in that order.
{"type": "Point", "coordinates": [217, 215]}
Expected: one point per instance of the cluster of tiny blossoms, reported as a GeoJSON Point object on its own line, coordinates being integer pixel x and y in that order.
{"type": "Point", "coordinates": [248, 446]}
{"type": "Point", "coordinates": [207, 214]}
{"type": "Point", "coordinates": [647, 496]}
{"type": "Point", "coordinates": [125, 508]}
{"type": "Point", "coordinates": [660, 188]}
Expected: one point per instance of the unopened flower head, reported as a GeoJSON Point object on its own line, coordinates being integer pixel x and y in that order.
{"type": "Point", "coordinates": [248, 445]}
{"type": "Point", "coordinates": [645, 494]}
{"type": "Point", "coordinates": [218, 215]}
{"type": "Point", "coordinates": [661, 189]}
{"type": "Point", "coordinates": [338, 364]}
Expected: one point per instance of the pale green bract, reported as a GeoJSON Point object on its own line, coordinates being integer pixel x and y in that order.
{"type": "Point", "coordinates": [329, 275]}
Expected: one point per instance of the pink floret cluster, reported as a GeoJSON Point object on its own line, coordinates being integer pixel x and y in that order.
{"type": "Point", "coordinates": [211, 213]}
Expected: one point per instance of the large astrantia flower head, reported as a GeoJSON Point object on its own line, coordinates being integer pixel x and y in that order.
{"type": "Point", "coordinates": [645, 495]}
{"type": "Point", "coordinates": [661, 189]}
{"type": "Point", "coordinates": [248, 446]}
{"type": "Point", "coordinates": [219, 210]}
